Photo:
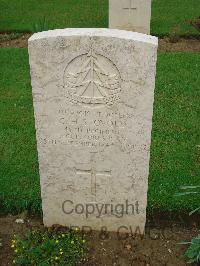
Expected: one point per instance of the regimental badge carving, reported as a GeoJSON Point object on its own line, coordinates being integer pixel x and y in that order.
{"type": "Point", "coordinates": [92, 79]}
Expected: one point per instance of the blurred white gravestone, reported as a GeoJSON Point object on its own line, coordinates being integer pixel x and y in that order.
{"type": "Point", "coordinates": [93, 92]}
{"type": "Point", "coordinates": [133, 15]}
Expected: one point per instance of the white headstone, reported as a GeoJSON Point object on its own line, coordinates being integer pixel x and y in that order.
{"type": "Point", "coordinates": [93, 92]}
{"type": "Point", "coordinates": [133, 15]}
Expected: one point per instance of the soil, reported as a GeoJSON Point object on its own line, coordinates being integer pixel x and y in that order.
{"type": "Point", "coordinates": [21, 42]}
{"type": "Point", "coordinates": [180, 45]}
{"type": "Point", "coordinates": [166, 44]}
{"type": "Point", "coordinates": [159, 247]}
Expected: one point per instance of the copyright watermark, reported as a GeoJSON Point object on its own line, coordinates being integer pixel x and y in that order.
{"type": "Point", "coordinates": [101, 209]}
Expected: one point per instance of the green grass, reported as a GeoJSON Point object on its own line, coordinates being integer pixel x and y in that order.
{"type": "Point", "coordinates": [168, 16]}
{"type": "Point", "coordinates": [21, 15]}
{"type": "Point", "coordinates": [174, 154]}
{"type": "Point", "coordinates": [19, 178]}
{"type": "Point", "coordinates": [171, 17]}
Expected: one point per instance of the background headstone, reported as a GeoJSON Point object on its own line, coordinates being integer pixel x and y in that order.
{"type": "Point", "coordinates": [93, 92]}
{"type": "Point", "coordinates": [133, 15]}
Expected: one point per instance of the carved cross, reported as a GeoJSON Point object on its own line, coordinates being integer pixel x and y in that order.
{"type": "Point", "coordinates": [93, 173]}
{"type": "Point", "coordinates": [131, 6]}
{"type": "Point", "coordinates": [130, 9]}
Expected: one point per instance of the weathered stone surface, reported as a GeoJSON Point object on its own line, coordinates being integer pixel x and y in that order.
{"type": "Point", "coordinates": [133, 15]}
{"type": "Point", "coordinates": [93, 92]}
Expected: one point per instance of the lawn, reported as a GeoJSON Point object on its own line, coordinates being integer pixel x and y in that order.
{"type": "Point", "coordinates": [168, 16]}
{"type": "Point", "coordinates": [174, 154]}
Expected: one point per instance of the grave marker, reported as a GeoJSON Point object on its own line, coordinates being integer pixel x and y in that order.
{"type": "Point", "coordinates": [137, 19]}
{"type": "Point", "coordinates": [93, 92]}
